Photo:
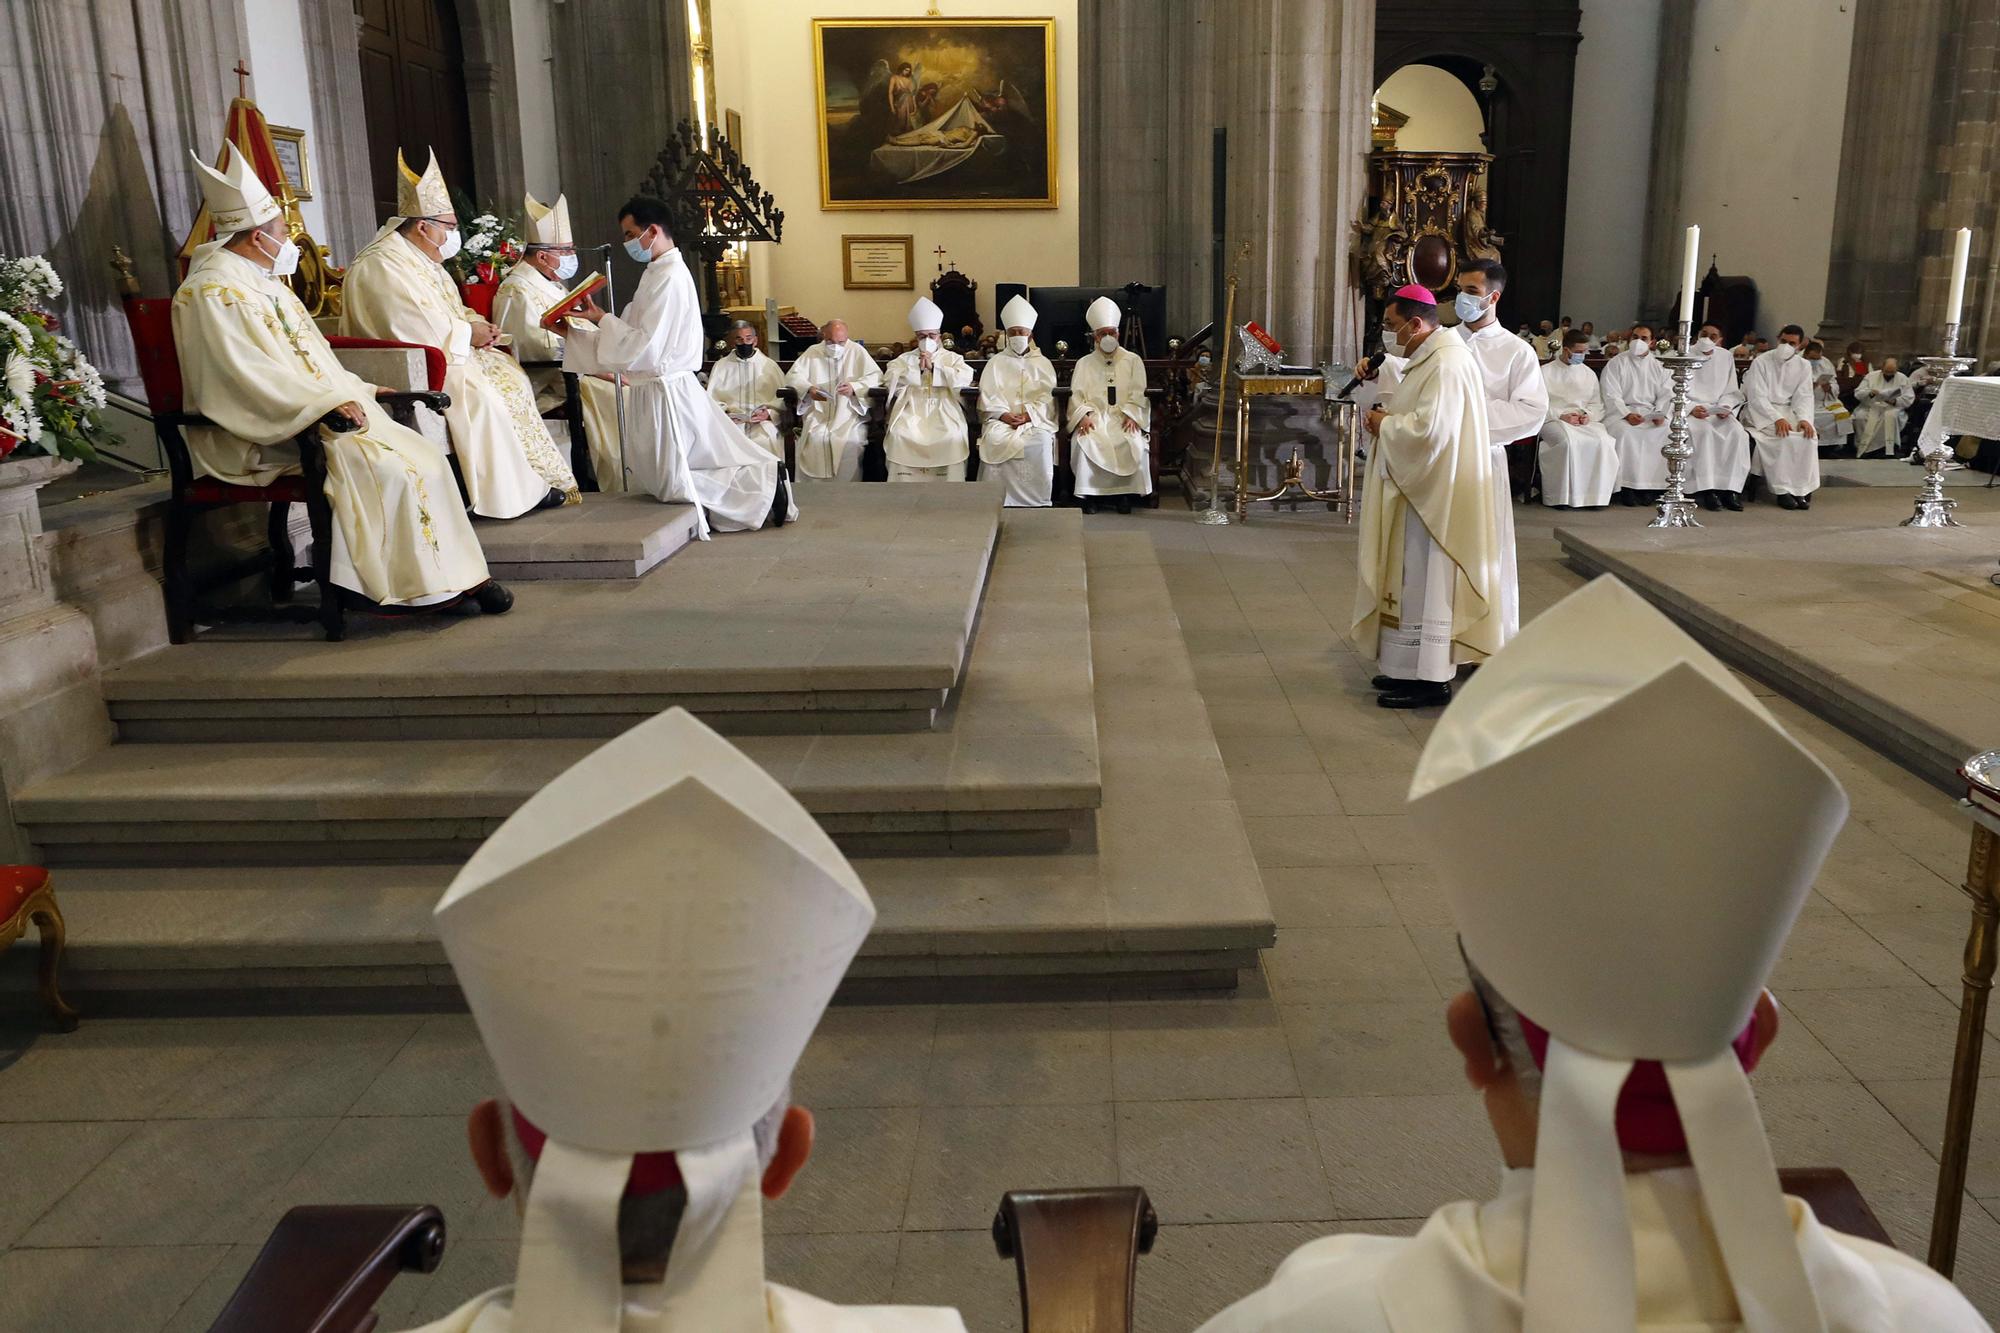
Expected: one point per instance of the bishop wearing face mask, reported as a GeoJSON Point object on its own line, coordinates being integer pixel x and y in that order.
{"type": "Point", "coordinates": [548, 266]}
{"type": "Point", "coordinates": [1517, 401]}
{"type": "Point", "coordinates": [832, 379]}
{"type": "Point", "coordinates": [1017, 403]}
{"type": "Point", "coordinates": [1721, 461]}
{"type": "Point", "coordinates": [1778, 409]}
{"type": "Point", "coordinates": [926, 438]}
{"type": "Point", "coordinates": [1109, 418]}
{"type": "Point", "coordinates": [1638, 393]}
{"type": "Point", "coordinates": [397, 289]}
{"type": "Point", "coordinates": [745, 383]}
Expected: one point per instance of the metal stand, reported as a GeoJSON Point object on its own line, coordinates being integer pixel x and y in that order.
{"type": "Point", "coordinates": [1257, 386]}
{"type": "Point", "coordinates": [1933, 506]}
{"type": "Point", "coordinates": [1215, 515]}
{"type": "Point", "coordinates": [1982, 885]}
{"type": "Point", "coordinates": [1675, 509]}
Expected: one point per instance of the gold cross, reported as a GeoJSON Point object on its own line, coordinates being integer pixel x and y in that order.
{"type": "Point", "coordinates": [242, 73]}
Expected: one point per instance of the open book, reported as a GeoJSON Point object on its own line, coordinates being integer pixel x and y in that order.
{"type": "Point", "coordinates": [572, 300]}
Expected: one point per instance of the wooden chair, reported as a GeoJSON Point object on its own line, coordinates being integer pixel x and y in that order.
{"type": "Point", "coordinates": [27, 896]}
{"type": "Point", "coordinates": [324, 1267]}
{"type": "Point", "coordinates": [1076, 1253]}
{"type": "Point", "coordinates": [1835, 1200]}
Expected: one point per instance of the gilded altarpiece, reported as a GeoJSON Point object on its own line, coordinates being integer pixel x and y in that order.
{"type": "Point", "coordinates": [1426, 219]}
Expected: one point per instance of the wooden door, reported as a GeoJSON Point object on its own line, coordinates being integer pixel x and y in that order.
{"type": "Point", "coordinates": [413, 85]}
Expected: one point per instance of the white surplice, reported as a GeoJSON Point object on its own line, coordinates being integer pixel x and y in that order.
{"type": "Point", "coordinates": [1113, 456]}
{"type": "Point", "coordinates": [396, 292]}
{"type": "Point", "coordinates": [1022, 458]}
{"type": "Point", "coordinates": [1779, 389]}
{"type": "Point", "coordinates": [678, 444]}
{"type": "Point", "coordinates": [786, 1311]}
{"type": "Point", "coordinates": [925, 438]}
{"type": "Point", "coordinates": [742, 385]}
{"type": "Point", "coordinates": [833, 430]}
{"type": "Point", "coordinates": [1879, 404]}
{"type": "Point", "coordinates": [1579, 463]}
{"type": "Point", "coordinates": [1638, 385]}
{"type": "Point", "coordinates": [1830, 416]}
{"type": "Point", "coordinates": [254, 363]}
{"type": "Point", "coordinates": [525, 295]}
{"type": "Point", "coordinates": [1517, 401]}
{"type": "Point", "coordinates": [1721, 457]}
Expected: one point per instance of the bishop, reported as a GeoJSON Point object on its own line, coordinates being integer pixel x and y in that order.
{"type": "Point", "coordinates": [925, 439]}
{"type": "Point", "coordinates": [1017, 404]}
{"type": "Point", "coordinates": [831, 380]}
{"type": "Point", "coordinates": [1109, 418]}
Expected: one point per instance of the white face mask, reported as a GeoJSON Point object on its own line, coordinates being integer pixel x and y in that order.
{"type": "Point", "coordinates": [928, 346]}
{"type": "Point", "coordinates": [286, 261]}
{"type": "Point", "coordinates": [1638, 347]}
{"type": "Point", "coordinates": [565, 268]}
{"type": "Point", "coordinates": [1392, 342]}
{"type": "Point", "coordinates": [1785, 351]}
{"type": "Point", "coordinates": [1107, 344]}
{"type": "Point", "coordinates": [1471, 309]}
{"type": "Point", "coordinates": [1018, 343]}
{"type": "Point", "coordinates": [1704, 344]}
{"type": "Point", "coordinates": [450, 244]}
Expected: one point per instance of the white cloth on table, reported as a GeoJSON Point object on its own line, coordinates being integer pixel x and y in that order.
{"type": "Point", "coordinates": [1638, 386]}
{"type": "Point", "coordinates": [525, 295]}
{"type": "Point", "coordinates": [742, 385]}
{"type": "Point", "coordinates": [1517, 401]}
{"type": "Point", "coordinates": [1721, 458]}
{"type": "Point", "coordinates": [1777, 388]}
{"type": "Point", "coordinates": [1579, 463]}
{"type": "Point", "coordinates": [833, 430]}
{"type": "Point", "coordinates": [926, 427]}
{"type": "Point", "coordinates": [1112, 456]}
{"type": "Point", "coordinates": [1021, 458]}
{"type": "Point", "coordinates": [1966, 405]}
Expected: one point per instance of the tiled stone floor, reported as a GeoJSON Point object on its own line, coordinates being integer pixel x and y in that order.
{"type": "Point", "coordinates": [142, 1161]}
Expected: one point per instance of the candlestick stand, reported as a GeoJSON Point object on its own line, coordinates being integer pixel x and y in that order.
{"type": "Point", "coordinates": [1933, 505]}
{"type": "Point", "coordinates": [1675, 509]}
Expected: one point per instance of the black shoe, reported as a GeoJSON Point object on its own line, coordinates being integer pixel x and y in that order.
{"type": "Point", "coordinates": [1089, 506]}
{"type": "Point", "coordinates": [1789, 502]}
{"type": "Point", "coordinates": [1417, 694]}
{"type": "Point", "coordinates": [1623, 497]}
{"type": "Point", "coordinates": [1124, 504]}
{"type": "Point", "coordinates": [1732, 502]}
{"type": "Point", "coordinates": [553, 500]}
{"type": "Point", "coordinates": [493, 598]}
{"type": "Point", "coordinates": [1805, 501]}
{"type": "Point", "coordinates": [1391, 683]}
{"type": "Point", "coordinates": [1709, 501]}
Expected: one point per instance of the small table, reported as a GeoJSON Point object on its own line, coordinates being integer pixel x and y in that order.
{"type": "Point", "coordinates": [1966, 405]}
{"type": "Point", "coordinates": [1289, 386]}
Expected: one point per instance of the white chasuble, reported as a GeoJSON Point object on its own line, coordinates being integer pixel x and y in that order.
{"type": "Point", "coordinates": [1721, 458]}
{"type": "Point", "coordinates": [1638, 386]}
{"type": "Point", "coordinates": [926, 436]}
{"type": "Point", "coordinates": [1779, 388]}
{"type": "Point", "coordinates": [254, 363]}
{"type": "Point", "coordinates": [833, 426]}
{"type": "Point", "coordinates": [786, 1311]}
{"type": "Point", "coordinates": [1021, 458]}
{"type": "Point", "coordinates": [1579, 461]}
{"type": "Point", "coordinates": [743, 386]}
{"type": "Point", "coordinates": [1879, 404]}
{"type": "Point", "coordinates": [394, 291]}
{"type": "Point", "coordinates": [1112, 456]}
{"type": "Point", "coordinates": [524, 296]}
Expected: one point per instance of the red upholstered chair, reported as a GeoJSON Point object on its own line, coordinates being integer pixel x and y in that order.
{"type": "Point", "coordinates": [26, 896]}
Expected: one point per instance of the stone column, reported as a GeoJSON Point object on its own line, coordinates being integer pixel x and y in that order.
{"type": "Point", "coordinates": [1190, 116]}
{"type": "Point", "coordinates": [340, 125]}
{"type": "Point", "coordinates": [1660, 279]}
{"type": "Point", "coordinates": [1122, 56]}
{"type": "Point", "coordinates": [492, 99]}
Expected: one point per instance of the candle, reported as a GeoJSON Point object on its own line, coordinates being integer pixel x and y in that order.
{"type": "Point", "coordinates": [1687, 274]}
{"type": "Point", "coordinates": [1960, 254]}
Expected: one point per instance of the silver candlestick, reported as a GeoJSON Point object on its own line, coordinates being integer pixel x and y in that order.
{"type": "Point", "coordinates": [1933, 506]}
{"type": "Point", "coordinates": [1675, 509]}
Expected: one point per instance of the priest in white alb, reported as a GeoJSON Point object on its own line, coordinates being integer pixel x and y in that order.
{"type": "Point", "coordinates": [397, 289]}
{"type": "Point", "coordinates": [1831, 419]}
{"type": "Point", "coordinates": [744, 383]}
{"type": "Point", "coordinates": [925, 436]}
{"type": "Point", "coordinates": [1110, 421]}
{"type": "Point", "coordinates": [831, 380]}
{"type": "Point", "coordinates": [548, 266]}
{"type": "Point", "coordinates": [1576, 454]}
{"type": "Point", "coordinates": [679, 446]}
{"type": "Point", "coordinates": [1778, 409]}
{"type": "Point", "coordinates": [1638, 395]}
{"type": "Point", "coordinates": [1425, 603]}
{"type": "Point", "coordinates": [1517, 402]}
{"type": "Point", "coordinates": [1017, 406]}
{"type": "Point", "coordinates": [256, 366]}
{"type": "Point", "coordinates": [1880, 402]}
{"type": "Point", "coordinates": [1720, 464]}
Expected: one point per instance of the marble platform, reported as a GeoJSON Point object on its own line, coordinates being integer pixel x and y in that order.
{"type": "Point", "coordinates": [620, 536]}
{"type": "Point", "coordinates": [1891, 633]}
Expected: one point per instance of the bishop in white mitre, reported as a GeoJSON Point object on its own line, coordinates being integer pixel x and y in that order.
{"type": "Point", "coordinates": [548, 265]}
{"type": "Point", "coordinates": [1720, 463]}
{"type": "Point", "coordinates": [1638, 394]}
{"type": "Point", "coordinates": [679, 445]}
{"type": "Point", "coordinates": [1110, 421]}
{"type": "Point", "coordinates": [1880, 401]}
{"type": "Point", "coordinates": [1576, 454]}
{"type": "Point", "coordinates": [744, 383]}
{"type": "Point", "coordinates": [925, 435]}
{"type": "Point", "coordinates": [397, 289]}
{"type": "Point", "coordinates": [831, 381]}
{"type": "Point", "coordinates": [1778, 409]}
{"type": "Point", "coordinates": [253, 363]}
{"type": "Point", "coordinates": [1017, 406]}
{"type": "Point", "coordinates": [1517, 401]}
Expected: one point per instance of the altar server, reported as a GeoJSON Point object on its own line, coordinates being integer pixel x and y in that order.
{"type": "Point", "coordinates": [1778, 409]}
{"type": "Point", "coordinates": [1578, 457]}
{"type": "Point", "coordinates": [832, 379]}
{"type": "Point", "coordinates": [1017, 404]}
{"type": "Point", "coordinates": [745, 384]}
{"type": "Point", "coordinates": [1517, 402]}
{"type": "Point", "coordinates": [548, 266]}
{"type": "Point", "coordinates": [1425, 602]}
{"type": "Point", "coordinates": [1720, 464]}
{"type": "Point", "coordinates": [1831, 419]}
{"type": "Point", "coordinates": [1637, 396]}
{"type": "Point", "coordinates": [645, 1048]}
{"type": "Point", "coordinates": [678, 444]}
{"type": "Point", "coordinates": [255, 365]}
{"type": "Point", "coordinates": [1615, 1006]}
{"type": "Point", "coordinates": [1881, 399]}
{"type": "Point", "coordinates": [397, 289]}
{"type": "Point", "coordinates": [1110, 421]}
{"type": "Point", "coordinates": [925, 438]}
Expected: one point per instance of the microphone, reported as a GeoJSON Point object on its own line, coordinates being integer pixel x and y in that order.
{"type": "Point", "coordinates": [1360, 373]}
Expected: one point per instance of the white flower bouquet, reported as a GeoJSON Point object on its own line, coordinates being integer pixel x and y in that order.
{"type": "Point", "coordinates": [51, 397]}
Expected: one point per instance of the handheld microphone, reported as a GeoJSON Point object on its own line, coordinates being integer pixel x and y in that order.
{"type": "Point", "coordinates": [1360, 373]}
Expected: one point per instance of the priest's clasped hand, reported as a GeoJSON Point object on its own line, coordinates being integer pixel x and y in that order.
{"type": "Point", "coordinates": [1374, 420]}
{"type": "Point", "coordinates": [355, 412]}
{"type": "Point", "coordinates": [483, 333]}
{"type": "Point", "coordinates": [1014, 418]}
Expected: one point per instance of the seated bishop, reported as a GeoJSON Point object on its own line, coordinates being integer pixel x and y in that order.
{"type": "Point", "coordinates": [253, 363]}
{"type": "Point", "coordinates": [1881, 399]}
{"type": "Point", "coordinates": [1017, 406]}
{"type": "Point", "coordinates": [1720, 464]}
{"type": "Point", "coordinates": [1577, 456]}
{"type": "Point", "coordinates": [744, 383]}
{"type": "Point", "coordinates": [645, 1049]}
{"type": "Point", "coordinates": [831, 380]}
{"type": "Point", "coordinates": [1638, 394]}
{"type": "Point", "coordinates": [1109, 418]}
{"type": "Point", "coordinates": [397, 289]}
{"type": "Point", "coordinates": [542, 278]}
{"type": "Point", "coordinates": [925, 436]}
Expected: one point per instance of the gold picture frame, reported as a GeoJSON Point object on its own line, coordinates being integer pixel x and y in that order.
{"type": "Point", "coordinates": [886, 263]}
{"type": "Point", "coordinates": [991, 149]}
{"type": "Point", "coordinates": [290, 146]}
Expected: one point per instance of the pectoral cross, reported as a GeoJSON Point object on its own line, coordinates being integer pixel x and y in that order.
{"type": "Point", "coordinates": [242, 73]}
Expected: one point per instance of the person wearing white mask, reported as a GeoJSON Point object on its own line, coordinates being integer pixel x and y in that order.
{"type": "Point", "coordinates": [1110, 422]}
{"type": "Point", "coordinates": [645, 1050]}
{"type": "Point", "coordinates": [679, 446]}
{"type": "Point", "coordinates": [744, 383]}
{"type": "Point", "coordinates": [1017, 404]}
{"type": "Point", "coordinates": [1881, 399]}
{"type": "Point", "coordinates": [548, 266]}
{"type": "Point", "coordinates": [926, 437]}
{"type": "Point", "coordinates": [397, 289]}
{"type": "Point", "coordinates": [1577, 456]}
{"type": "Point", "coordinates": [1517, 402]}
{"type": "Point", "coordinates": [831, 380]}
{"type": "Point", "coordinates": [1638, 393]}
{"type": "Point", "coordinates": [1615, 1005]}
{"type": "Point", "coordinates": [1720, 464]}
{"type": "Point", "coordinates": [1778, 409]}
{"type": "Point", "coordinates": [254, 364]}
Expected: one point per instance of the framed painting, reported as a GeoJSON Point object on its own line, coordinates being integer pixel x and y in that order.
{"type": "Point", "coordinates": [936, 113]}
{"type": "Point", "coordinates": [290, 146]}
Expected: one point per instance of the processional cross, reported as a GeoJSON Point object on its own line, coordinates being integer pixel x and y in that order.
{"type": "Point", "coordinates": [242, 73]}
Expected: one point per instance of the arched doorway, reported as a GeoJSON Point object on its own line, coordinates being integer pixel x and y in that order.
{"type": "Point", "coordinates": [413, 85]}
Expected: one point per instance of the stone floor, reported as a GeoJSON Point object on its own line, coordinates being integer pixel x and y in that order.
{"type": "Point", "coordinates": [145, 1159]}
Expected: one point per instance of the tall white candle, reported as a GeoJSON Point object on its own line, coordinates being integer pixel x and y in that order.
{"type": "Point", "coordinates": [1688, 266]}
{"type": "Point", "coordinates": [1961, 253]}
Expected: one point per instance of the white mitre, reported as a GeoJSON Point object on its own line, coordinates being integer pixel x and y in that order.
{"type": "Point", "coordinates": [236, 199]}
{"type": "Point", "coordinates": [1017, 313]}
{"type": "Point", "coordinates": [646, 945]}
{"type": "Point", "coordinates": [1625, 836]}
{"type": "Point", "coordinates": [422, 196]}
{"type": "Point", "coordinates": [547, 224]}
{"type": "Point", "coordinates": [1103, 313]}
{"type": "Point", "coordinates": [925, 315]}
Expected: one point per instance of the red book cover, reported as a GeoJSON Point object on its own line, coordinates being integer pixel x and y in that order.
{"type": "Point", "coordinates": [1271, 345]}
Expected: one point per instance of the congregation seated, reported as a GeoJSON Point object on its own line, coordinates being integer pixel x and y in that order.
{"type": "Point", "coordinates": [1719, 467]}
{"type": "Point", "coordinates": [1778, 410]}
{"type": "Point", "coordinates": [1881, 400]}
{"type": "Point", "coordinates": [745, 385]}
{"type": "Point", "coordinates": [830, 382]}
{"type": "Point", "coordinates": [1638, 394]}
{"type": "Point", "coordinates": [1576, 454]}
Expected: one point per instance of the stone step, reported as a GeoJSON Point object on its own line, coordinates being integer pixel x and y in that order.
{"type": "Point", "coordinates": [622, 536]}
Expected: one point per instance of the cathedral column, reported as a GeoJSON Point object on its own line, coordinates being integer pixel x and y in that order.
{"type": "Point", "coordinates": [492, 98]}
{"type": "Point", "coordinates": [1122, 48]}
{"type": "Point", "coordinates": [340, 122]}
{"type": "Point", "coordinates": [1660, 279]}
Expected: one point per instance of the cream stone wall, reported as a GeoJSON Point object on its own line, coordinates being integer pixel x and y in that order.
{"type": "Point", "coordinates": [1444, 115]}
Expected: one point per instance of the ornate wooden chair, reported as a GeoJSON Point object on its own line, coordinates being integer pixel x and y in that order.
{"type": "Point", "coordinates": [324, 1267]}
{"type": "Point", "coordinates": [27, 896]}
{"type": "Point", "coordinates": [1076, 1254]}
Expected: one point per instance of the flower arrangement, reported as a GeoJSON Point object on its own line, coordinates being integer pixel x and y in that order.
{"type": "Point", "coordinates": [51, 397]}
{"type": "Point", "coordinates": [489, 245]}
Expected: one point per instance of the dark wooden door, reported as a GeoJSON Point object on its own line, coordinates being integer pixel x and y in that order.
{"type": "Point", "coordinates": [413, 84]}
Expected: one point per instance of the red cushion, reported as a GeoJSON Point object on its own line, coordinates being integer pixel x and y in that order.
{"type": "Point", "coordinates": [152, 325]}
{"type": "Point", "coordinates": [433, 356]}
{"type": "Point", "coordinates": [209, 491]}
{"type": "Point", "coordinates": [17, 883]}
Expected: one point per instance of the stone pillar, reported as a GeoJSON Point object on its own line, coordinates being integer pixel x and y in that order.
{"type": "Point", "coordinates": [1190, 115]}
{"type": "Point", "coordinates": [1123, 58]}
{"type": "Point", "coordinates": [1660, 279]}
{"type": "Point", "coordinates": [492, 99]}
{"type": "Point", "coordinates": [340, 124]}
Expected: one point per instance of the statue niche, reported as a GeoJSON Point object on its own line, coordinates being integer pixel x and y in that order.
{"type": "Point", "coordinates": [1426, 219]}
